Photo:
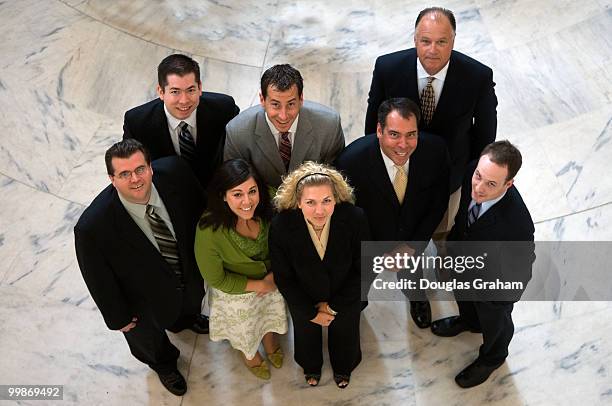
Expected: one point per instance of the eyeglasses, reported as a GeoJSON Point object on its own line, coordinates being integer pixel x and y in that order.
{"type": "Point", "coordinates": [126, 175]}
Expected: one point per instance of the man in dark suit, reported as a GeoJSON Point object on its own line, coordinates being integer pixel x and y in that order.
{"type": "Point", "coordinates": [456, 94]}
{"type": "Point", "coordinates": [184, 120]}
{"type": "Point", "coordinates": [134, 245]}
{"type": "Point", "coordinates": [491, 210]}
{"type": "Point", "coordinates": [402, 188]}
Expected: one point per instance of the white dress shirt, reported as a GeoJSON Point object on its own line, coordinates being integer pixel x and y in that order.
{"type": "Point", "coordinates": [173, 127]}
{"type": "Point", "coordinates": [437, 84]}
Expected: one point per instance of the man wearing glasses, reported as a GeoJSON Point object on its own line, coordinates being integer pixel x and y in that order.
{"type": "Point", "coordinates": [134, 245]}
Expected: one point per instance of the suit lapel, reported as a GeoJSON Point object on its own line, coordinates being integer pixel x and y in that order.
{"type": "Point", "coordinates": [266, 144]}
{"type": "Point", "coordinates": [379, 175]}
{"type": "Point", "coordinates": [129, 231]}
{"type": "Point", "coordinates": [301, 141]}
{"type": "Point", "coordinates": [160, 131]}
{"type": "Point", "coordinates": [452, 87]}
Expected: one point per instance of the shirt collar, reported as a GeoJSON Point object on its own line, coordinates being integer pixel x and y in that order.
{"type": "Point", "coordinates": [273, 129]}
{"type": "Point", "coordinates": [488, 204]}
{"type": "Point", "coordinates": [173, 122]}
{"type": "Point", "coordinates": [390, 165]}
{"type": "Point", "coordinates": [422, 73]}
{"type": "Point", "coordinates": [139, 210]}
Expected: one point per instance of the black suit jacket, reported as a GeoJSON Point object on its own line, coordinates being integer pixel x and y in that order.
{"type": "Point", "coordinates": [505, 232]}
{"type": "Point", "coordinates": [125, 274]}
{"type": "Point", "coordinates": [465, 116]}
{"type": "Point", "coordinates": [426, 197]}
{"type": "Point", "coordinates": [149, 125]}
{"type": "Point", "coordinates": [300, 274]}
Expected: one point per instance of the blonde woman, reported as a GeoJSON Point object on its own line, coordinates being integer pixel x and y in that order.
{"type": "Point", "coordinates": [315, 243]}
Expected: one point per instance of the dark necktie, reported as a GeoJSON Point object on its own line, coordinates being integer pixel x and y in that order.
{"type": "Point", "coordinates": [284, 147]}
{"type": "Point", "coordinates": [186, 143]}
{"type": "Point", "coordinates": [428, 101]}
{"type": "Point", "coordinates": [473, 214]}
{"type": "Point", "coordinates": [166, 242]}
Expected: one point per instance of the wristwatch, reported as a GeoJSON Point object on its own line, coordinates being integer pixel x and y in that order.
{"type": "Point", "coordinates": [331, 311]}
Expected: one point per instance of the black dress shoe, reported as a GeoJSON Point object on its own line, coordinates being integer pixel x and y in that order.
{"type": "Point", "coordinates": [200, 325]}
{"type": "Point", "coordinates": [475, 374]}
{"type": "Point", "coordinates": [421, 313]}
{"type": "Point", "coordinates": [450, 327]}
{"type": "Point", "coordinates": [173, 381]}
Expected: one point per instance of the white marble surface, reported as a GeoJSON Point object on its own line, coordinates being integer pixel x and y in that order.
{"type": "Point", "coordinates": [71, 68]}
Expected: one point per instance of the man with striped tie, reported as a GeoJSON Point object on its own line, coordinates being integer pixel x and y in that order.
{"type": "Point", "coordinates": [284, 130]}
{"type": "Point", "coordinates": [134, 245]}
{"type": "Point", "coordinates": [184, 120]}
{"type": "Point", "coordinates": [492, 221]}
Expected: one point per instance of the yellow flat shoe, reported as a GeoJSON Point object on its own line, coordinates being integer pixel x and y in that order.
{"type": "Point", "coordinates": [276, 358]}
{"type": "Point", "coordinates": [261, 371]}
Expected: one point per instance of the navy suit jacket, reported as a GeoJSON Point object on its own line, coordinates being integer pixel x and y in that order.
{"type": "Point", "coordinates": [148, 124]}
{"type": "Point", "coordinates": [505, 231]}
{"type": "Point", "coordinates": [125, 274]}
{"type": "Point", "coordinates": [465, 116]}
{"type": "Point", "coordinates": [426, 197]}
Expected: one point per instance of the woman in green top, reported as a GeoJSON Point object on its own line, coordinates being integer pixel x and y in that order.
{"type": "Point", "coordinates": [231, 248]}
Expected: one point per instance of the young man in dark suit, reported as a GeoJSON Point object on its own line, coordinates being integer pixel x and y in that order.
{"type": "Point", "coordinates": [458, 104]}
{"type": "Point", "coordinates": [134, 245]}
{"type": "Point", "coordinates": [184, 120]}
{"type": "Point", "coordinates": [491, 214]}
{"type": "Point", "coordinates": [402, 187]}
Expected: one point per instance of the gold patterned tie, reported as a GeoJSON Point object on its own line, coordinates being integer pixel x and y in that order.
{"type": "Point", "coordinates": [428, 101]}
{"type": "Point", "coordinates": [399, 182]}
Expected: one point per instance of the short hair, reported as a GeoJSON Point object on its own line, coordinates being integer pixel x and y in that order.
{"type": "Point", "coordinates": [437, 10]}
{"type": "Point", "coordinates": [403, 105]}
{"type": "Point", "coordinates": [311, 174]}
{"type": "Point", "coordinates": [503, 153]}
{"type": "Point", "coordinates": [124, 149]}
{"type": "Point", "coordinates": [282, 77]}
{"type": "Point", "coordinates": [176, 64]}
{"type": "Point", "coordinates": [229, 175]}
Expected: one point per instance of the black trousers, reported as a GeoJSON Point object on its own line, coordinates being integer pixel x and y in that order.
{"type": "Point", "coordinates": [494, 319]}
{"type": "Point", "coordinates": [149, 342]}
{"type": "Point", "coordinates": [342, 342]}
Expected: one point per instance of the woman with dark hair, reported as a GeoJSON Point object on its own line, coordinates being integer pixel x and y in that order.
{"type": "Point", "coordinates": [315, 248]}
{"type": "Point", "coordinates": [231, 248]}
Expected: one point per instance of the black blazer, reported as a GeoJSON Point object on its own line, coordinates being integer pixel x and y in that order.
{"type": "Point", "coordinates": [505, 232]}
{"type": "Point", "coordinates": [149, 125]}
{"type": "Point", "coordinates": [125, 274]}
{"type": "Point", "coordinates": [302, 277]}
{"type": "Point", "coordinates": [426, 197]}
{"type": "Point", "coordinates": [466, 115]}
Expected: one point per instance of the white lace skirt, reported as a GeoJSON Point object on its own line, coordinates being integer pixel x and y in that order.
{"type": "Point", "coordinates": [244, 319]}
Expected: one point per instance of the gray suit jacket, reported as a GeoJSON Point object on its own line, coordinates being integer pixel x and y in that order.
{"type": "Point", "coordinates": [318, 137]}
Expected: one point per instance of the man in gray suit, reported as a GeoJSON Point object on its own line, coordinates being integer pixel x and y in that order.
{"type": "Point", "coordinates": [284, 130]}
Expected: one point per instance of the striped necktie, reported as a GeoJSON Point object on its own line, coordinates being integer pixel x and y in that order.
{"type": "Point", "coordinates": [473, 214]}
{"type": "Point", "coordinates": [428, 101]}
{"type": "Point", "coordinates": [284, 148]}
{"type": "Point", "coordinates": [166, 242]}
{"type": "Point", "coordinates": [186, 143]}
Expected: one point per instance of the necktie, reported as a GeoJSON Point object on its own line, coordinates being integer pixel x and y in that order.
{"type": "Point", "coordinates": [473, 214]}
{"type": "Point", "coordinates": [284, 148]}
{"type": "Point", "coordinates": [166, 242]}
{"type": "Point", "coordinates": [399, 183]}
{"type": "Point", "coordinates": [428, 101]}
{"type": "Point", "coordinates": [186, 143]}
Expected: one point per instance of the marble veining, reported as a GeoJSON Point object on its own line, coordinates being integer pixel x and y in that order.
{"type": "Point", "coordinates": [71, 68]}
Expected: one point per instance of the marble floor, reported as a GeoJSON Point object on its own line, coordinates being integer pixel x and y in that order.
{"type": "Point", "coordinates": [71, 68]}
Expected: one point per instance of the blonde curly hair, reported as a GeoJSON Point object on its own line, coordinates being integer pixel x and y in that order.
{"type": "Point", "coordinates": [311, 174]}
